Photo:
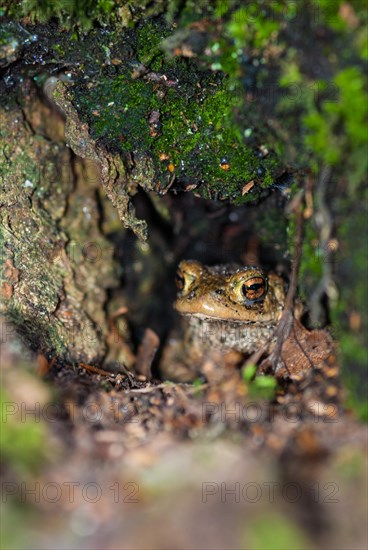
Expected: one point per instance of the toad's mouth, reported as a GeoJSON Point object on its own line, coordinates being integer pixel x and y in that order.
{"type": "Point", "coordinates": [230, 320]}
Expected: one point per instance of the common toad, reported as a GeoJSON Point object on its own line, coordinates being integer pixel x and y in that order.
{"type": "Point", "coordinates": [228, 307]}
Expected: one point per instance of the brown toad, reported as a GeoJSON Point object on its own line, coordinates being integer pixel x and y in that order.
{"type": "Point", "coordinates": [229, 307]}
{"type": "Point", "coordinates": [232, 311]}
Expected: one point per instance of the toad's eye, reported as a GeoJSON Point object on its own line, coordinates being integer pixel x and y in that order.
{"type": "Point", "coordinates": [188, 273]}
{"type": "Point", "coordinates": [249, 286]}
{"type": "Point", "coordinates": [254, 289]}
{"type": "Point", "coordinates": [179, 280]}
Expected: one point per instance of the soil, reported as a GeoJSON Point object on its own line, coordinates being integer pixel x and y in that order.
{"type": "Point", "coordinates": [137, 463]}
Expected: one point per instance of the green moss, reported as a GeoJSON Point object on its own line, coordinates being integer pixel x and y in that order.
{"type": "Point", "coordinates": [22, 444]}
{"type": "Point", "coordinates": [336, 128]}
{"type": "Point", "coordinates": [350, 315]}
{"type": "Point", "coordinates": [198, 137]}
{"type": "Point", "coordinates": [326, 120]}
{"type": "Point", "coordinates": [353, 356]}
{"type": "Point", "coordinates": [274, 532]}
{"type": "Point", "coordinates": [40, 335]}
{"type": "Point", "coordinates": [149, 38]}
{"type": "Point", "coordinates": [203, 117]}
{"type": "Point", "coordinates": [250, 24]}
{"type": "Point", "coordinates": [122, 109]}
{"type": "Point", "coordinates": [313, 257]}
{"type": "Point", "coordinates": [69, 12]}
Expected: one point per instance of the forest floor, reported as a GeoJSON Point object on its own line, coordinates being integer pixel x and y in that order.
{"type": "Point", "coordinates": [129, 463]}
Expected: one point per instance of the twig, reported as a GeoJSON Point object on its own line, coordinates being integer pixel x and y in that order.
{"type": "Point", "coordinates": [323, 220]}
{"type": "Point", "coordinates": [286, 322]}
{"type": "Point", "coordinates": [96, 370]}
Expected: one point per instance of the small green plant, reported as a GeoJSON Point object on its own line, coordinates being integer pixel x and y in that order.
{"type": "Point", "coordinates": [262, 387]}
{"type": "Point", "coordinates": [21, 443]}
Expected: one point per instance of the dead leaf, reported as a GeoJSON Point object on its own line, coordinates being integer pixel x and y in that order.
{"type": "Point", "coordinates": [247, 187]}
{"type": "Point", "coordinates": [146, 353]}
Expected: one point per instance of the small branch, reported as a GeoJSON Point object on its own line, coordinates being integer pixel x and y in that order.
{"type": "Point", "coordinates": [96, 370]}
{"type": "Point", "coordinates": [323, 220]}
{"type": "Point", "coordinates": [286, 322]}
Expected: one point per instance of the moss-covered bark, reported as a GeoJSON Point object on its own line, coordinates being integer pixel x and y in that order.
{"type": "Point", "coordinates": [55, 263]}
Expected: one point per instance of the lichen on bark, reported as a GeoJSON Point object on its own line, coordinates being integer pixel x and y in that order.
{"type": "Point", "coordinates": [110, 166]}
{"type": "Point", "coordinates": [50, 291]}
